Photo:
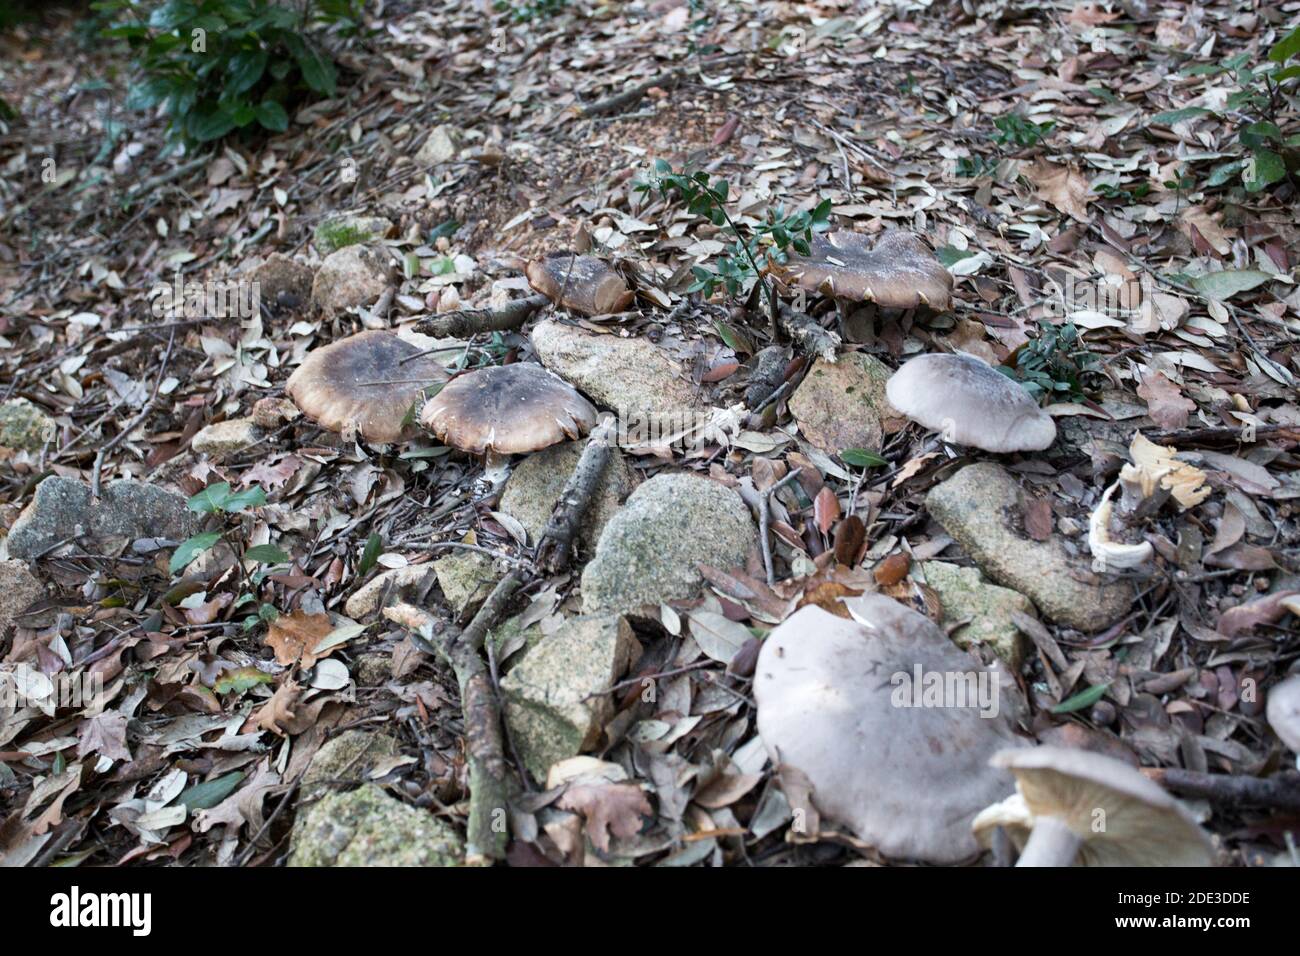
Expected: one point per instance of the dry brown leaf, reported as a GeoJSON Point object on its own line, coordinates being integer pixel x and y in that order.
{"type": "Point", "coordinates": [1062, 186]}
{"type": "Point", "coordinates": [1265, 610]}
{"type": "Point", "coordinates": [295, 637]}
{"type": "Point", "coordinates": [1166, 405]}
{"type": "Point", "coordinates": [614, 808]}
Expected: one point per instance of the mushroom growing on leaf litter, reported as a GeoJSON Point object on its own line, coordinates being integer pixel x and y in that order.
{"type": "Point", "coordinates": [582, 284]}
{"type": "Point", "coordinates": [970, 403]}
{"type": "Point", "coordinates": [506, 410]}
{"type": "Point", "coordinates": [364, 385]}
{"type": "Point", "coordinates": [895, 270]}
{"type": "Point", "coordinates": [1283, 712]}
{"type": "Point", "coordinates": [1079, 807]}
{"type": "Point", "coordinates": [891, 724]}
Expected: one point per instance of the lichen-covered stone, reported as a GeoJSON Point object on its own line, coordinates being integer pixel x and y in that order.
{"type": "Point", "coordinates": [353, 276]}
{"type": "Point", "coordinates": [651, 550]}
{"type": "Point", "coordinates": [466, 579]}
{"type": "Point", "coordinates": [127, 509]}
{"type": "Point", "coordinates": [536, 483]}
{"type": "Point", "coordinates": [842, 404]}
{"type": "Point", "coordinates": [552, 702]}
{"type": "Point", "coordinates": [339, 232]}
{"type": "Point", "coordinates": [966, 596]}
{"type": "Point", "coordinates": [345, 759]}
{"type": "Point", "coordinates": [18, 589]}
{"type": "Point", "coordinates": [367, 827]}
{"type": "Point", "coordinates": [394, 583]}
{"type": "Point", "coordinates": [23, 426]}
{"type": "Point", "coordinates": [982, 508]}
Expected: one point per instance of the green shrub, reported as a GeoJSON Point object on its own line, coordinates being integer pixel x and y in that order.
{"type": "Point", "coordinates": [222, 65]}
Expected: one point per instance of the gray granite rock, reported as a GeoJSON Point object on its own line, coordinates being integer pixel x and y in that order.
{"type": "Point", "coordinates": [843, 405]}
{"type": "Point", "coordinates": [353, 276]}
{"type": "Point", "coordinates": [537, 481]}
{"type": "Point", "coordinates": [367, 827]}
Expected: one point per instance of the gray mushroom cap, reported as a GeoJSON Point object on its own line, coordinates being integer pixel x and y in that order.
{"type": "Point", "coordinates": [1283, 711]}
{"type": "Point", "coordinates": [907, 780]}
{"type": "Point", "coordinates": [971, 403]}
{"type": "Point", "coordinates": [895, 270]}
{"type": "Point", "coordinates": [582, 284]}
{"type": "Point", "coordinates": [507, 410]}
{"type": "Point", "coordinates": [365, 383]}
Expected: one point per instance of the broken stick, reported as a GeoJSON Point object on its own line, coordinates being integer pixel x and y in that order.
{"type": "Point", "coordinates": [466, 322]}
{"type": "Point", "coordinates": [556, 542]}
{"type": "Point", "coordinates": [1279, 792]}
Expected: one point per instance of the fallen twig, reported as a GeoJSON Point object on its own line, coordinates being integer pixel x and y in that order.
{"type": "Point", "coordinates": [764, 517]}
{"type": "Point", "coordinates": [556, 542]}
{"type": "Point", "coordinates": [466, 322]}
{"type": "Point", "coordinates": [1280, 792]}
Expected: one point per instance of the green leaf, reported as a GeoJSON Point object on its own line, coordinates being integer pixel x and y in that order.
{"type": "Point", "coordinates": [266, 554]}
{"type": "Point", "coordinates": [271, 115]}
{"type": "Point", "coordinates": [861, 458]}
{"type": "Point", "coordinates": [1170, 117]}
{"type": "Point", "coordinates": [190, 549]}
{"type": "Point", "coordinates": [1259, 134]}
{"type": "Point", "coordinates": [206, 125]}
{"type": "Point", "coordinates": [317, 70]}
{"type": "Point", "coordinates": [1262, 169]}
{"type": "Point", "coordinates": [246, 68]}
{"type": "Point", "coordinates": [253, 497]}
{"type": "Point", "coordinates": [241, 679]}
{"type": "Point", "coordinates": [374, 544]}
{"type": "Point", "coordinates": [210, 499]}
{"type": "Point", "coordinates": [205, 796]}
{"type": "Point", "coordinates": [1081, 700]}
{"type": "Point", "coordinates": [1286, 47]}
{"type": "Point", "coordinates": [1224, 285]}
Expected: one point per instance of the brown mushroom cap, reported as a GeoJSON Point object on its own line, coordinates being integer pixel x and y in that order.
{"type": "Point", "coordinates": [507, 410]}
{"type": "Point", "coordinates": [1283, 712]}
{"type": "Point", "coordinates": [361, 384]}
{"type": "Point", "coordinates": [1117, 816]}
{"type": "Point", "coordinates": [895, 270]}
{"type": "Point", "coordinates": [971, 403]}
{"type": "Point", "coordinates": [905, 779]}
{"type": "Point", "coordinates": [589, 286]}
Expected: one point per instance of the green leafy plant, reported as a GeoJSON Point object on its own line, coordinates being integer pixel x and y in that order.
{"type": "Point", "coordinates": [221, 65]}
{"type": "Point", "coordinates": [533, 10]}
{"type": "Point", "coordinates": [747, 258]}
{"type": "Point", "coordinates": [1268, 154]}
{"type": "Point", "coordinates": [220, 500]}
{"type": "Point", "coordinates": [1014, 132]}
{"type": "Point", "coordinates": [1054, 365]}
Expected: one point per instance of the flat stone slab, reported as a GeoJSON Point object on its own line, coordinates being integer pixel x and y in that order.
{"type": "Point", "coordinates": [367, 827]}
{"type": "Point", "coordinates": [222, 439]}
{"type": "Point", "coordinates": [549, 703]}
{"type": "Point", "coordinates": [621, 374]}
{"type": "Point", "coordinates": [651, 550]}
{"type": "Point", "coordinates": [988, 608]}
{"type": "Point", "coordinates": [127, 509]}
{"type": "Point", "coordinates": [843, 405]}
{"type": "Point", "coordinates": [981, 507]}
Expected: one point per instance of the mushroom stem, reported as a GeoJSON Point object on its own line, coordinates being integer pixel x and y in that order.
{"type": "Point", "coordinates": [496, 469]}
{"type": "Point", "coordinates": [1051, 843]}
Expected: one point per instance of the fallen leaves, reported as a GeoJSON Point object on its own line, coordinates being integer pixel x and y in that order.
{"type": "Point", "coordinates": [296, 637]}
{"type": "Point", "coordinates": [1166, 404]}
{"type": "Point", "coordinates": [1062, 186]}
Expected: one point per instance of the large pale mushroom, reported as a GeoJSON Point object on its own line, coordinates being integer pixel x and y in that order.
{"type": "Point", "coordinates": [582, 284]}
{"type": "Point", "coordinates": [364, 385]}
{"type": "Point", "coordinates": [1083, 808]}
{"type": "Point", "coordinates": [1283, 712]}
{"type": "Point", "coordinates": [970, 403]}
{"type": "Point", "coordinates": [507, 410]}
{"type": "Point", "coordinates": [900, 763]}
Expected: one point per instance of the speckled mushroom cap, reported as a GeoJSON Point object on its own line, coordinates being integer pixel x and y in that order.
{"type": "Point", "coordinates": [359, 385]}
{"type": "Point", "coordinates": [896, 270]}
{"type": "Point", "coordinates": [1119, 816]}
{"type": "Point", "coordinates": [971, 403]}
{"type": "Point", "coordinates": [905, 779]}
{"type": "Point", "coordinates": [1283, 712]}
{"type": "Point", "coordinates": [507, 410]}
{"type": "Point", "coordinates": [582, 284]}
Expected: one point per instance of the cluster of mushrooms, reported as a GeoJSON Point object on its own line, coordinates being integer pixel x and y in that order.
{"type": "Point", "coordinates": [369, 385]}
{"type": "Point", "coordinates": [933, 784]}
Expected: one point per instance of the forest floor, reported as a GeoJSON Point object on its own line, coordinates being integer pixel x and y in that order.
{"type": "Point", "coordinates": [1091, 148]}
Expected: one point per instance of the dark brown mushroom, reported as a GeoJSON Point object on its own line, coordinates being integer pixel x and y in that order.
{"type": "Point", "coordinates": [895, 270]}
{"type": "Point", "coordinates": [365, 385]}
{"type": "Point", "coordinates": [507, 410]}
{"type": "Point", "coordinates": [582, 284]}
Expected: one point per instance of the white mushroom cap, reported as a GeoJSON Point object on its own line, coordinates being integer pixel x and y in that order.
{"type": "Point", "coordinates": [507, 410]}
{"type": "Point", "coordinates": [895, 269]}
{"type": "Point", "coordinates": [365, 383]}
{"type": "Point", "coordinates": [905, 779]}
{"type": "Point", "coordinates": [971, 403]}
{"type": "Point", "coordinates": [1283, 712]}
{"type": "Point", "coordinates": [1091, 810]}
